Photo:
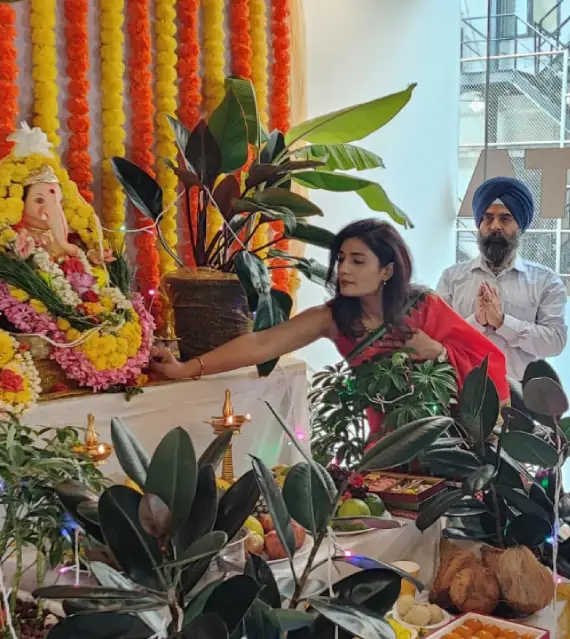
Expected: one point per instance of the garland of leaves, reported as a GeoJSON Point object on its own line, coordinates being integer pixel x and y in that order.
{"type": "Point", "coordinates": [8, 76]}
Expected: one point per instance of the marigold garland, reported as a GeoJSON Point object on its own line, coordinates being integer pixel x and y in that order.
{"type": "Point", "coordinates": [8, 76]}
{"type": "Point", "coordinates": [213, 53]}
{"type": "Point", "coordinates": [78, 122]}
{"type": "Point", "coordinates": [279, 107]}
{"type": "Point", "coordinates": [259, 59]}
{"type": "Point", "coordinates": [190, 92]}
{"type": "Point", "coordinates": [113, 117]}
{"type": "Point", "coordinates": [240, 38]}
{"type": "Point", "coordinates": [142, 138]}
{"type": "Point", "coordinates": [166, 91]}
{"type": "Point", "coordinates": [259, 77]}
{"type": "Point", "coordinates": [44, 70]}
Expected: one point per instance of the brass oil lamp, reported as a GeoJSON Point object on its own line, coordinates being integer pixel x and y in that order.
{"type": "Point", "coordinates": [228, 420]}
{"type": "Point", "coordinates": [98, 451]}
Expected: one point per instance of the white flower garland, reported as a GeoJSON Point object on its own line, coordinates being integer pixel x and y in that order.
{"type": "Point", "coordinates": [42, 259]}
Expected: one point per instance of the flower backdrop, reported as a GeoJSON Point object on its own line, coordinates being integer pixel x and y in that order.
{"type": "Point", "coordinates": [103, 82]}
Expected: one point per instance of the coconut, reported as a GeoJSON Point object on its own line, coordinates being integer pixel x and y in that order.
{"type": "Point", "coordinates": [439, 593]}
{"type": "Point", "coordinates": [475, 589]}
{"type": "Point", "coordinates": [491, 556]}
{"type": "Point", "coordinates": [527, 586]}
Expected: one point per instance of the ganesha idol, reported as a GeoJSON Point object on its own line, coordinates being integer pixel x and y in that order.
{"type": "Point", "coordinates": [54, 280]}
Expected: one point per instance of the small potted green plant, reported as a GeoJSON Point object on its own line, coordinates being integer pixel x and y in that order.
{"type": "Point", "coordinates": [32, 463]}
{"type": "Point", "coordinates": [240, 171]}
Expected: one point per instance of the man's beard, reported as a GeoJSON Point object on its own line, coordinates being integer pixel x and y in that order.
{"type": "Point", "coordinates": [497, 248]}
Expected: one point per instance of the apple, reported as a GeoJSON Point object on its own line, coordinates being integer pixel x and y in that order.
{"type": "Point", "coordinates": [273, 547]}
{"type": "Point", "coordinates": [300, 534]}
{"type": "Point", "coordinates": [267, 522]}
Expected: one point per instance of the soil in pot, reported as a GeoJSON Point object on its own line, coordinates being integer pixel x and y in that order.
{"type": "Point", "coordinates": [28, 624]}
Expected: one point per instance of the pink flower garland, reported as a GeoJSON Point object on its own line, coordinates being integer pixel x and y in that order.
{"type": "Point", "coordinates": [23, 316]}
{"type": "Point", "coordinates": [77, 365]}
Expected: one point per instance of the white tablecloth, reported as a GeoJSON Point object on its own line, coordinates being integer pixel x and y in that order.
{"type": "Point", "coordinates": [189, 404]}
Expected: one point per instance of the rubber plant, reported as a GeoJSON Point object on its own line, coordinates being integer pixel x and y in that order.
{"type": "Point", "coordinates": [245, 174]}
{"type": "Point", "coordinates": [164, 537]}
{"type": "Point", "coordinates": [499, 498]}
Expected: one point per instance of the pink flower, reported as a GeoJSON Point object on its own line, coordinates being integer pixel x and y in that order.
{"type": "Point", "coordinates": [24, 245]}
{"type": "Point", "coordinates": [80, 282]}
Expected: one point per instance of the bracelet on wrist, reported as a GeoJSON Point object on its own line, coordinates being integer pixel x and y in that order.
{"type": "Point", "coordinates": [201, 372]}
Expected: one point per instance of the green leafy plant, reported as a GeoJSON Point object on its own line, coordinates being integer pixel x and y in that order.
{"type": "Point", "coordinates": [396, 386]}
{"type": "Point", "coordinates": [164, 540]}
{"type": "Point", "coordinates": [32, 463]}
{"type": "Point", "coordinates": [214, 162]}
{"type": "Point", "coordinates": [498, 497]}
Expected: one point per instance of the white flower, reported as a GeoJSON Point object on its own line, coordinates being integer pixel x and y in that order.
{"type": "Point", "coordinates": [28, 141]}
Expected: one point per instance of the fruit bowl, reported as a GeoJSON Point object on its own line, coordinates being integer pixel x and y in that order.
{"type": "Point", "coordinates": [302, 552]}
{"type": "Point", "coordinates": [428, 628]}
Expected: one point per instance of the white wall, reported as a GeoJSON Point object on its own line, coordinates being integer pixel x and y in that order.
{"type": "Point", "coordinates": [359, 50]}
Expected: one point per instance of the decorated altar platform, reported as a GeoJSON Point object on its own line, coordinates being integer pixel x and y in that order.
{"type": "Point", "coordinates": [191, 404]}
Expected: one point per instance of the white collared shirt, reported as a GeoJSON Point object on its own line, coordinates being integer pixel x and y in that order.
{"type": "Point", "coordinates": [533, 302]}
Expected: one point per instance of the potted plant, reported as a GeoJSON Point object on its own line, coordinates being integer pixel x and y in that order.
{"type": "Point", "coordinates": [32, 463]}
{"type": "Point", "coordinates": [244, 174]}
{"type": "Point", "coordinates": [498, 499]}
{"type": "Point", "coordinates": [164, 539]}
{"type": "Point", "coordinates": [402, 389]}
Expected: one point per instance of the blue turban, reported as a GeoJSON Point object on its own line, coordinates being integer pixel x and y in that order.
{"type": "Point", "coordinates": [513, 193]}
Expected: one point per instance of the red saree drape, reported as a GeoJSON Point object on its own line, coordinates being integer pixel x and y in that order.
{"type": "Point", "coordinates": [466, 347]}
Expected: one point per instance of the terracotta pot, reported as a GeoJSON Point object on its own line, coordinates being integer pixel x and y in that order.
{"type": "Point", "coordinates": [210, 309]}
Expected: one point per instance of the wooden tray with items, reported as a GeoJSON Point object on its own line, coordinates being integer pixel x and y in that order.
{"type": "Point", "coordinates": [402, 491]}
{"type": "Point", "coordinates": [476, 626]}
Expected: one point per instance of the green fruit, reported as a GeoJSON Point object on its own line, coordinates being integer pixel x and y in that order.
{"type": "Point", "coordinates": [375, 504]}
{"type": "Point", "coordinates": [352, 508]}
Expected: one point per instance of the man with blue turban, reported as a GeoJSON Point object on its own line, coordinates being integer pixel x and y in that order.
{"type": "Point", "coordinates": [517, 304]}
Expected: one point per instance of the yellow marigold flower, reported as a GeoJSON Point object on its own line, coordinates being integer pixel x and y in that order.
{"type": "Point", "coordinates": [63, 324]}
{"type": "Point", "coordinates": [106, 302]}
{"type": "Point", "coordinates": [72, 334]}
{"type": "Point", "coordinates": [93, 308]}
{"type": "Point", "coordinates": [9, 235]}
{"type": "Point", "coordinates": [38, 306]}
{"type": "Point", "coordinates": [6, 348]}
{"type": "Point", "coordinates": [101, 277]}
{"type": "Point", "coordinates": [18, 293]}
{"type": "Point", "coordinates": [9, 397]}
{"type": "Point", "coordinates": [122, 345]}
{"type": "Point", "coordinates": [23, 397]}
{"type": "Point", "coordinates": [101, 363]}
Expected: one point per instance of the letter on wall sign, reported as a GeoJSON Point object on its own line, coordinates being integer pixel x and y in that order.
{"type": "Point", "coordinates": [554, 165]}
{"type": "Point", "coordinates": [498, 165]}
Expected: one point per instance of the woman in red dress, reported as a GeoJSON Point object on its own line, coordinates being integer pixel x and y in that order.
{"type": "Point", "coordinates": [370, 272]}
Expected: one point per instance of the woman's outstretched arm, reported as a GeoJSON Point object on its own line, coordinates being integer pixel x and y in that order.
{"type": "Point", "coordinates": [253, 348]}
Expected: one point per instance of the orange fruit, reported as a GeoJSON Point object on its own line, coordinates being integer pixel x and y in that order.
{"type": "Point", "coordinates": [473, 624]}
{"type": "Point", "coordinates": [465, 632]}
{"type": "Point", "coordinates": [493, 630]}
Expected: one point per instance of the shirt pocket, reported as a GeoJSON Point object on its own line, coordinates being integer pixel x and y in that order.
{"type": "Point", "coordinates": [527, 312]}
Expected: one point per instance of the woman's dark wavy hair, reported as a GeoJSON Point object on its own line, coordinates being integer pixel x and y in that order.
{"type": "Point", "coordinates": [389, 247]}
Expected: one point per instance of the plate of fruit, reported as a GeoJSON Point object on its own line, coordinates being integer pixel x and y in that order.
{"type": "Point", "coordinates": [358, 508]}
{"type": "Point", "coordinates": [264, 541]}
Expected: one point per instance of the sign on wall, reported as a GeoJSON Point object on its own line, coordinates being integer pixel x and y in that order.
{"type": "Point", "coordinates": [554, 164]}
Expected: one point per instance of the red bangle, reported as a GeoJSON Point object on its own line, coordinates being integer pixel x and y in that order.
{"type": "Point", "coordinates": [201, 373]}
